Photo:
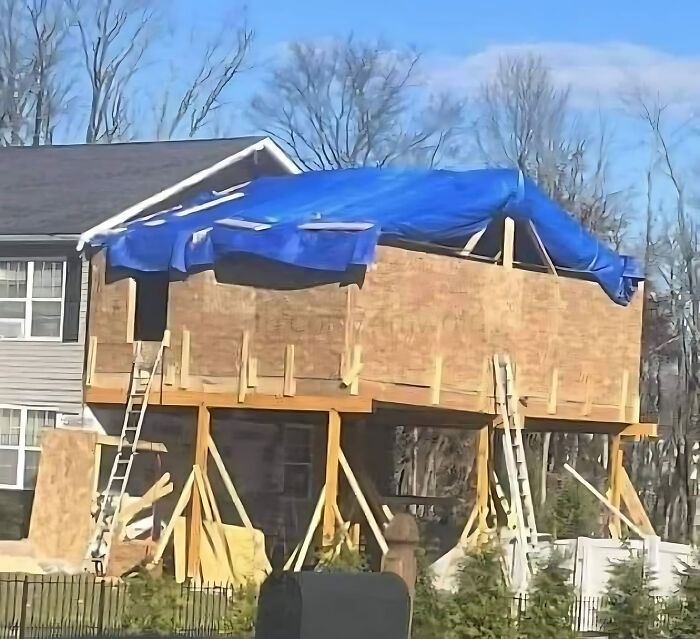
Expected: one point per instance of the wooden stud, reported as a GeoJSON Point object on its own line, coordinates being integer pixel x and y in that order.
{"type": "Point", "coordinates": [177, 512]}
{"type": "Point", "coordinates": [91, 361]}
{"type": "Point", "coordinates": [228, 483]}
{"type": "Point", "coordinates": [202, 436]}
{"type": "Point", "coordinates": [553, 388]}
{"type": "Point", "coordinates": [142, 446]}
{"type": "Point", "coordinates": [472, 242]}
{"type": "Point", "coordinates": [180, 549]}
{"type": "Point", "coordinates": [482, 477]}
{"type": "Point", "coordinates": [203, 497]}
{"type": "Point", "coordinates": [170, 374]}
{"type": "Point", "coordinates": [588, 401]}
{"type": "Point", "coordinates": [130, 310]}
{"type": "Point", "coordinates": [289, 388]}
{"type": "Point", "coordinates": [185, 360]}
{"type": "Point", "coordinates": [243, 366]}
{"type": "Point", "coordinates": [351, 376]}
{"type": "Point", "coordinates": [614, 480]}
{"type": "Point", "coordinates": [343, 525]}
{"type": "Point", "coordinates": [544, 255]}
{"type": "Point", "coordinates": [624, 392]}
{"type": "Point", "coordinates": [331, 493]}
{"type": "Point", "coordinates": [352, 480]}
{"type": "Point", "coordinates": [96, 471]}
{"type": "Point", "coordinates": [634, 505]}
{"type": "Point", "coordinates": [313, 524]}
{"type": "Point", "coordinates": [437, 381]}
{"type": "Point", "coordinates": [252, 372]}
{"type": "Point", "coordinates": [484, 386]}
{"type": "Point", "coordinates": [160, 489]}
{"type": "Point", "coordinates": [508, 242]}
{"type": "Point", "coordinates": [290, 562]}
{"type": "Point", "coordinates": [355, 535]}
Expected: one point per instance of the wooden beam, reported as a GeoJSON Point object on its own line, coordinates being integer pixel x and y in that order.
{"type": "Point", "coordinates": [615, 482]}
{"type": "Point", "coordinates": [96, 471]}
{"type": "Point", "coordinates": [228, 483]}
{"type": "Point", "coordinates": [289, 386]}
{"type": "Point", "coordinates": [179, 508]}
{"type": "Point", "coordinates": [606, 502]}
{"type": "Point", "coordinates": [201, 439]}
{"type": "Point", "coordinates": [243, 366]}
{"type": "Point", "coordinates": [437, 381]}
{"type": "Point", "coordinates": [161, 488]}
{"type": "Point", "coordinates": [369, 516]}
{"type": "Point", "coordinates": [541, 250]}
{"type": "Point", "coordinates": [508, 242]}
{"type": "Point", "coordinates": [634, 505]}
{"type": "Point", "coordinates": [553, 388]}
{"type": "Point", "coordinates": [640, 430]}
{"type": "Point", "coordinates": [331, 495]}
{"type": "Point", "coordinates": [482, 478]}
{"type": "Point", "coordinates": [142, 446]}
{"type": "Point", "coordinates": [185, 360]}
{"type": "Point", "coordinates": [130, 310]}
{"type": "Point", "coordinates": [472, 242]}
{"type": "Point", "coordinates": [313, 524]}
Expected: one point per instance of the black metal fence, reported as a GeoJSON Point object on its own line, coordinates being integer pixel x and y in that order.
{"type": "Point", "coordinates": [38, 606]}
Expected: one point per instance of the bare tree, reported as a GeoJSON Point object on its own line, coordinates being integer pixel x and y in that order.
{"type": "Point", "coordinates": [224, 57]}
{"type": "Point", "coordinates": [114, 35]}
{"type": "Point", "coordinates": [349, 104]}
{"type": "Point", "coordinates": [526, 121]}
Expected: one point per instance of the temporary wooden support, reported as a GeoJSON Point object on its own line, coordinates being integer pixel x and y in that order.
{"type": "Point", "coordinates": [472, 242]}
{"type": "Point", "coordinates": [96, 472]}
{"type": "Point", "coordinates": [243, 366]}
{"type": "Point", "coordinates": [180, 549]}
{"type": "Point", "coordinates": [553, 388]}
{"type": "Point", "coordinates": [142, 445]}
{"type": "Point", "coordinates": [541, 250]}
{"type": "Point", "coordinates": [201, 439]}
{"type": "Point", "coordinates": [185, 359]}
{"type": "Point", "coordinates": [313, 524]}
{"type": "Point", "coordinates": [130, 310]}
{"type": "Point", "coordinates": [289, 388]}
{"type": "Point", "coordinates": [160, 489]}
{"type": "Point", "coordinates": [482, 478]}
{"type": "Point", "coordinates": [606, 502]}
{"type": "Point", "coordinates": [366, 510]}
{"type": "Point", "coordinates": [508, 242]}
{"type": "Point", "coordinates": [228, 483]}
{"type": "Point", "coordinates": [177, 512]}
{"type": "Point", "coordinates": [634, 505]}
{"type": "Point", "coordinates": [437, 381]}
{"type": "Point", "coordinates": [331, 493]}
{"type": "Point", "coordinates": [351, 374]}
{"type": "Point", "coordinates": [615, 460]}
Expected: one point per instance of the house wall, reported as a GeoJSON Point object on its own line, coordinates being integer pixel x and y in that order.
{"type": "Point", "coordinates": [44, 373]}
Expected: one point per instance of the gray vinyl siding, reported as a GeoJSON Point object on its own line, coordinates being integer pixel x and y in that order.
{"type": "Point", "coordinates": [46, 373]}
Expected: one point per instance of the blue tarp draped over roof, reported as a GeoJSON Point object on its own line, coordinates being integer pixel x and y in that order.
{"type": "Point", "coordinates": [263, 218]}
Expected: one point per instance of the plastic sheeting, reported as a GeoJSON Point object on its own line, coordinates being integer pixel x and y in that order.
{"type": "Point", "coordinates": [267, 218]}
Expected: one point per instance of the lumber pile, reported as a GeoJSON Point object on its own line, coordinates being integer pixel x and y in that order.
{"type": "Point", "coordinates": [229, 555]}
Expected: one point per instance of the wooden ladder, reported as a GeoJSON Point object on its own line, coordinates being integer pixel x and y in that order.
{"type": "Point", "coordinates": [139, 390]}
{"type": "Point", "coordinates": [507, 401]}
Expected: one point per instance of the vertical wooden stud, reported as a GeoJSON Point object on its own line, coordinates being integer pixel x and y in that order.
{"type": "Point", "coordinates": [96, 475]}
{"type": "Point", "coordinates": [615, 460]}
{"type": "Point", "coordinates": [252, 372]}
{"type": "Point", "coordinates": [331, 496]}
{"type": "Point", "coordinates": [553, 388]}
{"type": "Point", "coordinates": [289, 388]}
{"type": "Point", "coordinates": [437, 381]}
{"type": "Point", "coordinates": [243, 366]}
{"type": "Point", "coordinates": [624, 392]}
{"type": "Point", "coordinates": [508, 242]}
{"type": "Point", "coordinates": [130, 310]}
{"type": "Point", "coordinates": [185, 360]}
{"type": "Point", "coordinates": [588, 401]}
{"type": "Point", "coordinates": [482, 478]}
{"type": "Point", "coordinates": [201, 442]}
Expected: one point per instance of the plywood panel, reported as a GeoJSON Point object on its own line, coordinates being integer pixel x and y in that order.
{"type": "Point", "coordinates": [60, 525]}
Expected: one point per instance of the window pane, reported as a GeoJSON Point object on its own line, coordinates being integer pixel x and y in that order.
{"type": "Point", "coordinates": [13, 310]}
{"type": "Point", "coordinates": [11, 328]}
{"type": "Point", "coordinates": [297, 445]}
{"type": "Point", "coordinates": [13, 279]}
{"type": "Point", "coordinates": [297, 481]}
{"type": "Point", "coordinates": [8, 467]}
{"type": "Point", "coordinates": [46, 319]}
{"type": "Point", "coordinates": [9, 426]}
{"type": "Point", "coordinates": [31, 466]}
{"type": "Point", "coordinates": [36, 421]}
{"type": "Point", "coordinates": [48, 279]}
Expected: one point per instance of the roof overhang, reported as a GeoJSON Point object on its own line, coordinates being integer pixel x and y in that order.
{"type": "Point", "coordinates": [266, 144]}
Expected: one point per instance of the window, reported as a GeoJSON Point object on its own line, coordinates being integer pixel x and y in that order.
{"type": "Point", "coordinates": [20, 441]}
{"type": "Point", "coordinates": [32, 299]}
{"type": "Point", "coordinates": [297, 462]}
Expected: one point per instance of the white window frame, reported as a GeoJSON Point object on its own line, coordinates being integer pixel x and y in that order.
{"type": "Point", "coordinates": [21, 447]}
{"type": "Point", "coordinates": [29, 300]}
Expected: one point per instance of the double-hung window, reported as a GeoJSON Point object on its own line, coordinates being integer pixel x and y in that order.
{"type": "Point", "coordinates": [32, 294]}
{"type": "Point", "coordinates": [20, 442]}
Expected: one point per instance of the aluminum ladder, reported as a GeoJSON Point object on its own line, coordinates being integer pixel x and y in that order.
{"type": "Point", "coordinates": [507, 401]}
{"type": "Point", "coordinates": [139, 390]}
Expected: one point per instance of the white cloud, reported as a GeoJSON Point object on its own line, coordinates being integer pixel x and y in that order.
{"type": "Point", "coordinates": [597, 73]}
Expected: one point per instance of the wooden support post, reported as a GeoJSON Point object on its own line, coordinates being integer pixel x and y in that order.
{"type": "Point", "coordinates": [615, 460]}
{"type": "Point", "coordinates": [96, 472]}
{"type": "Point", "coordinates": [331, 497]}
{"type": "Point", "coordinates": [289, 385]}
{"type": "Point", "coordinates": [482, 478]}
{"type": "Point", "coordinates": [437, 381]}
{"type": "Point", "coordinates": [624, 391]}
{"type": "Point", "coordinates": [553, 388]}
{"type": "Point", "coordinates": [130, 310]}
{"type": "Point", "coordinates": [508, 242]}
{"type": "Point", "coordinates": [243, 366]}
{"type": "Point", "coordinates": [201, 440]}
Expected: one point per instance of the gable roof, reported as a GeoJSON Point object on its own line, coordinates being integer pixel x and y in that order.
{"type": "Point", "coordinates": [69, 189]}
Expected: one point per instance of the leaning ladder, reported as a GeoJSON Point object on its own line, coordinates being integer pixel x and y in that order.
{"type": "Point", "coordinates": [514, 448]}
{"type": "Point", "coordinates": [112, 497]}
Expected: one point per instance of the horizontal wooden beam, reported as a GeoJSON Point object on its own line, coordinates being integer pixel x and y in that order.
{"type": "Point", "coordinates": [342, 404]}
{"type": "Point", "coordinates": [141, 446]}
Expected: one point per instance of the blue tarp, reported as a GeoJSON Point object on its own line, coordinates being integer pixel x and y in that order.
{"type": "Point", "coordinates": [263, 219]}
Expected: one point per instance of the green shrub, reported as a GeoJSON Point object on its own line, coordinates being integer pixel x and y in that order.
{"type": "Point", "coordinates": [241, 613]}
{"type": "Point", "coordinates": [685, 614]}
{"type": "Point", "coordinates": [631, 611]}
{"type": "Point", "coordinates": [569, 512]}
{"type": "Point", "coordinates": [550, 601]}
{"type": "Point", "coordinates": [432, 609]}
{"type": "Point", "coordinates": [153, 604]}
